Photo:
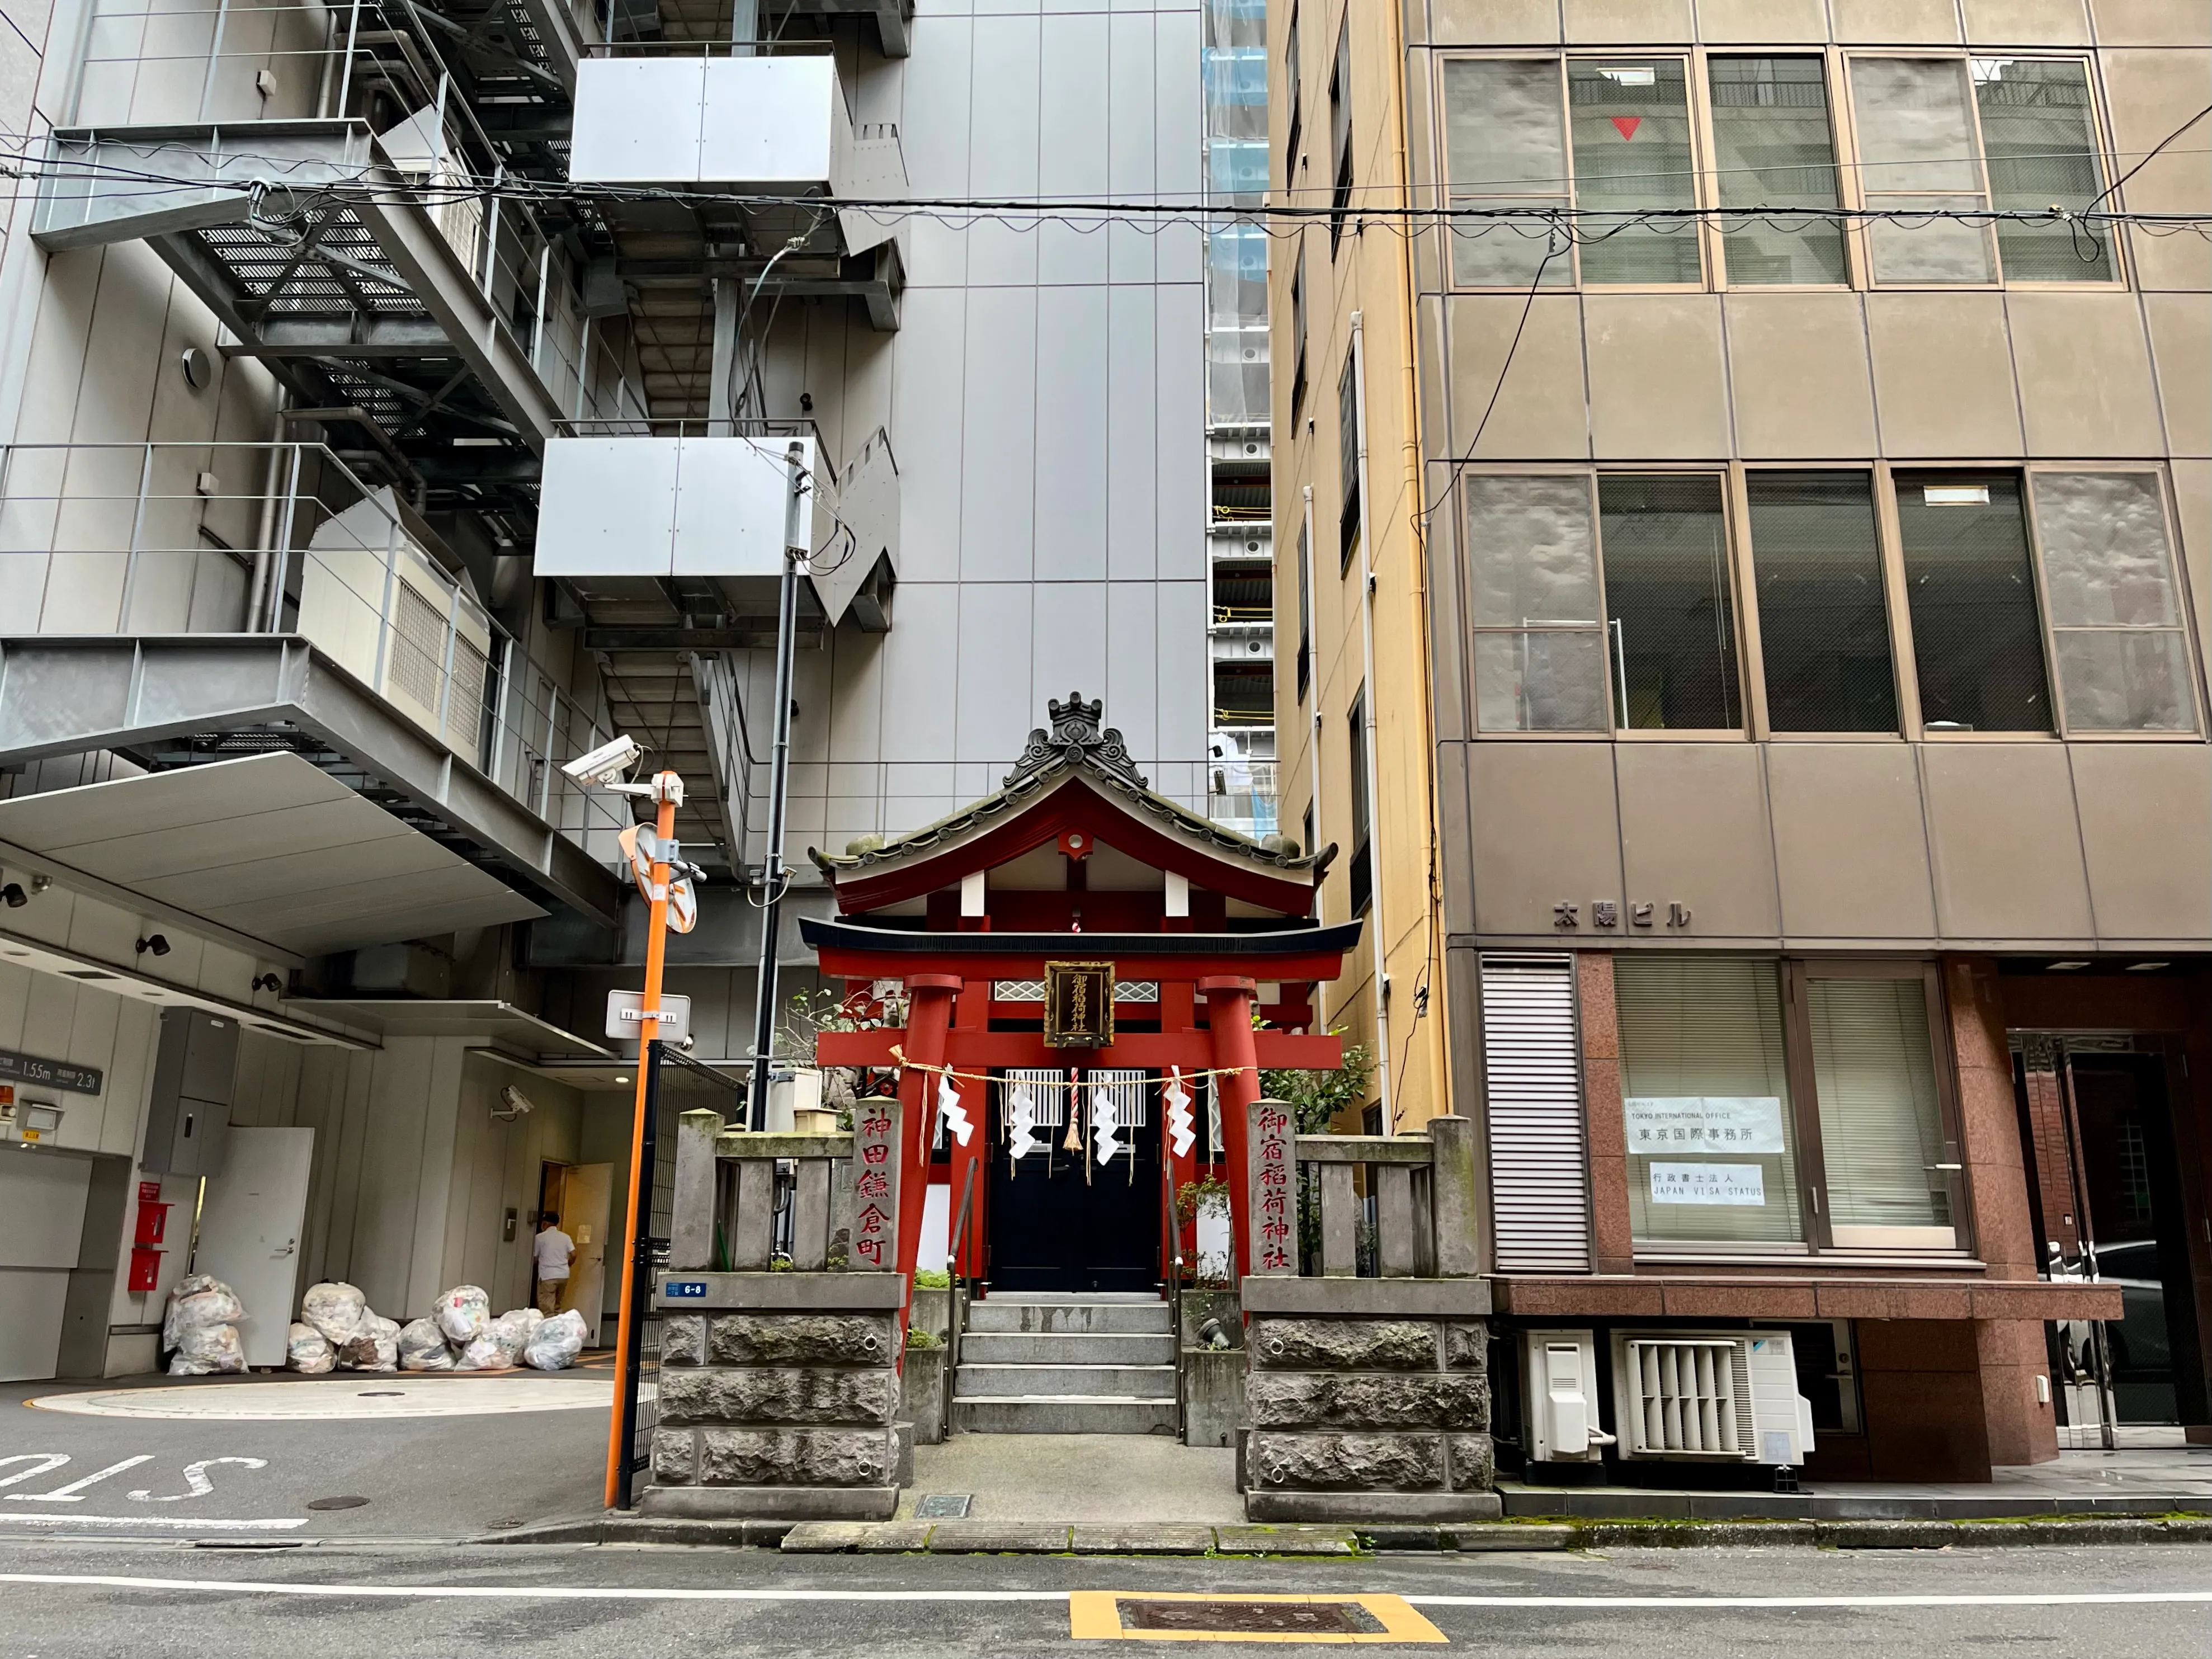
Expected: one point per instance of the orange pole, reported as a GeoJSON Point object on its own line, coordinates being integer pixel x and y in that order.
{"type": "Point", "coordinates": [656, 953]}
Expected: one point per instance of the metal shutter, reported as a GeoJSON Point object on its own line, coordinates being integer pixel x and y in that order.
{"type": "Point", "coordinates": [1532, 1065]}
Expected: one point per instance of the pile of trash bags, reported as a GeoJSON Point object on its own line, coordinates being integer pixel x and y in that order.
{"type": "Point", "coordinates": [338, 1330]}
{"type": "Point", "coordinates": [461, 1335]}
{"type": "Point", "coordinates": [200, 1328]}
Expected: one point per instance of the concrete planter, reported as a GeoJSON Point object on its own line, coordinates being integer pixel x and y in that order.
{"type": "Point", "coordinates": [1198, 1306]}
{"type": "Point", "coordinates": [931, 1311]}
{"type": "Point", "coordinates": [1213, 1395]}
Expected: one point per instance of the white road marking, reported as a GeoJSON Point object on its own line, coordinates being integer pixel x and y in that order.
{"type": "Point", "coordinates": [625, 1593]}
{"type": "Point", "coordinates": [377, 1396]}
{"type": "Point", "coordinates": [74, 1492]}
{"type": "Point", "coordinates": [171, 1522]}
{"type": "Point", "coordinates": [196, 1481]}
{"type": "Point", "coordinates": [42, 1461]}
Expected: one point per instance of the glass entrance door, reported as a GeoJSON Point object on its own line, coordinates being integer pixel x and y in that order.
{"type": "Point", "coordinates": [2107, 1186]}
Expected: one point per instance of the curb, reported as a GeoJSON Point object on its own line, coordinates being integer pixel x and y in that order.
{"type": "Point", "coordinates": [1190, 1539]}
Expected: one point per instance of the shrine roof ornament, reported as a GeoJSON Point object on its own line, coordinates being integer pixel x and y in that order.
{"type": "Point", "coordinates": [1077, 743]}
{"type": "Point", "coordinates": [1076, 737]}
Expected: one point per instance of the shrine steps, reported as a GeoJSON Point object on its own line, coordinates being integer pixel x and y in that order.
{"type": "Point", "coordinates": [1037, 1363]}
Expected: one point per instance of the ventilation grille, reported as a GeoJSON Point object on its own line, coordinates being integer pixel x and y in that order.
{"type": "Point", "coordinates": [1532, 1064]}
{"type": "Point", "coordinates": [1688, 1399]}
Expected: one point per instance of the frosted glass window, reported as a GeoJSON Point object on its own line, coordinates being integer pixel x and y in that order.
{"type": "Point", "coordinates": [1702, 1050]}
{"type": "Point", "coordinates": [2115, 615]}
{"type": "Point", "coordinates": [1919, 151]}
{"type": "Point", "coordinates": [1881, 1121]}
{"type": "Point", "coordinates": [1504, 146]}
{"type": "Point", "coordinates": [1631, 125]}
{"type": "Point", "coordinates": [1977, 638]}
{"type": "Point", "coordinates": [1539, 645]}
{"type": "Point", "coordinates": [1669, 620]}
{"type": "Point", "coordinates": [1774, 147]}
{"type": "Point", "coordinates": [2042, 145]}
{"type": "Point", "coordinates": [1823, 623]}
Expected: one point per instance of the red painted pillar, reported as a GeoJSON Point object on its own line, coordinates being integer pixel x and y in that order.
{"type": "Point", "coordinates": [928, 1019]}
{"type": "Point", "coordinates": [1229, 1012]}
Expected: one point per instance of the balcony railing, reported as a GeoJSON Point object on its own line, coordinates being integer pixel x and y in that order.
{"type": "Point", "coordinates": [286, 538]}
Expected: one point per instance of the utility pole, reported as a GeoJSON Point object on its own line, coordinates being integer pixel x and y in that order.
{"type": "Point", "coordinates": [667, 790]}
{"type": "Point", "coordinates": [773, 873]}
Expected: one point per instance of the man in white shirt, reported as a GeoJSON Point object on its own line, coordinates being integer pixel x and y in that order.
{"type": "Point", "coordinates": [552, 1250]}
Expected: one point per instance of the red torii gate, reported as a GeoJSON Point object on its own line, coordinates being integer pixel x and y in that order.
{"type": "Point", "coordinates": [1076, 858]}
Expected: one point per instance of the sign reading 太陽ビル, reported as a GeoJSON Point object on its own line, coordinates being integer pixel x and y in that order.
{"type": "Point", "coordinates": [1660, 1124]}
{"type": "Point", "coordinates": [1708, 1183]}
{"type": "Point", "coordinates": [56, 1074]}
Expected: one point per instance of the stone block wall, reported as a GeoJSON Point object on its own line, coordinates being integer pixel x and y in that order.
{"type": "Point", "coordinates": [783, 1413]}
{"type": "Point", "coordinates": [1367, 1415]}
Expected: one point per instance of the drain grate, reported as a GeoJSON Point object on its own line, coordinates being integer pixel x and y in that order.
{"type": "Point", "coordinates": [1096, 1615]}
{"type": "Point", "coordinates": [944, 1506]}
{"type": "Point", "coordinates": [1253, 1618]}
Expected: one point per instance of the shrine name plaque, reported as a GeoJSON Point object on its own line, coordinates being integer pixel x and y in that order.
{"type": "Point", "coordinates": [1079, 1005]}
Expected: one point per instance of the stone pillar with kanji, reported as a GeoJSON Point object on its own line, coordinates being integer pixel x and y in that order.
{"type": "Point", "coordinates": [1271, 1175]}
{"type": "Point", "coordinates": [875, 1173]}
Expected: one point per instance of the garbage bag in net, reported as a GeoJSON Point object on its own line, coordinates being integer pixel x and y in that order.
{"type": "Point", "coordinates": [485, 1353]}
{"type": "Point", "coordinates": [373, 1347]}
{"type": "Point", "coordinates": [554, 1346]}
{"type": "Point", "coordinates": [511, 1330]}
{"type": "Point", "coordinates": [199, 1302]}
{"type": "Point", "coordinates": [421, 1347]}
{"type": "Point", "coordinates": [207, 1349]}
{"type": "Point", "coordinates": [462, 1312]}
{"type": "Point", "coordinates": [307, 1350]}
{"type": "Point", "coordinates": [335, 1310]}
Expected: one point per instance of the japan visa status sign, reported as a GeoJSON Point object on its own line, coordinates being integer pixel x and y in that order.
{"type": "Point", "coordinates": [1741, 1184]}
{"type": "Point", "coordinates": [1663, 1125]}
{"type": "Point", "coordinates": [1079, 1005]}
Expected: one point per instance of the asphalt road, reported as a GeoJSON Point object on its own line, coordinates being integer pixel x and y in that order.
{"type": "Point", "coordinates": [424, 1477]}
{"type": "Point", "coordinates": [60, 1600]}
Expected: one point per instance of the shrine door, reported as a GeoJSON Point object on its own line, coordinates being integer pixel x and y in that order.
{"type": "Point", "coordinates": [1070, 1220]}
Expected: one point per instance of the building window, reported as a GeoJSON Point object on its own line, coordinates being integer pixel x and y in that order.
{"type": "Point", "coordinates": [1823, 623]}
{"type": "Point", "coordinates": [1306, 823]}
{"type": "Point", "coordinates": [1919, 150]}
{"type": "Point", "coordinates": [1296, 82]}
{"type": "Point", "coordinates": [1670, 622]}
{"type": "Point", "coordinates": [2117, 631]}
{"type": "Point", "coordinates": [1976, 637]}
{"type": "Point", "coordinates": [1361, 872]}
{"type": "Point", "coordinates": [1628, 127]}
{"type": "Point", "coordinates": [1339, 134]}
{"type": "Point", "coordinates": [1305, 619]}
{"type": "Point", "coordinates": [1724, 1149]}
{"type": "Point", "coordinates": [1347, 459]}
{"type": "Point", "coordinates": [1705, 1088]}
{"type": "Point", "coordinates": [1773, 147]}
{"type": "Point", "coordinates": [1888, 1172]}
{"type": "Point", "coordinates": [1298, 331]}
{"type": "Point", "coordinates": [1539, 645]}
{"type": "Point", "coordinates": [2041, 139]}
{"type": "Point", "coordinates": [1630, 123]}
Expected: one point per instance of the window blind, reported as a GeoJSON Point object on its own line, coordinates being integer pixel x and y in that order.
{"type": "Point", "coordinates": [1531, 1077]}
{"type": "Point", "coordinates": [1882, 1124]}
{"type": "Point", "coordinates": [1694, 1030]}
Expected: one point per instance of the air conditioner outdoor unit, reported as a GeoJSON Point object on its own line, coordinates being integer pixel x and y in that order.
{"type": "Point", "coordinates": [1709, 1396]}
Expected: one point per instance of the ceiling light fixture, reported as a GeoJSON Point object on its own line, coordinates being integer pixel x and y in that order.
{"type": "Point", "coordinates": [2146, 966]}
{"type": "Point", "coordinates": [15, 896]}
{"type": "Point", "coordinates": [2065, 967]}
{"type": "Point", "coordinates": [157, 942]}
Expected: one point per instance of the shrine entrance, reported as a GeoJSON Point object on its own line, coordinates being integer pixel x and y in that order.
{"type": "Point", "coordinates": [1072, 981]}
{"type": "Point", "coordinates": [1067, 1214]}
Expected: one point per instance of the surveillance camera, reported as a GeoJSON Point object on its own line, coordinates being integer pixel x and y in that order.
{"type": "Point", "coordinates": [606, 764]}
{"type": "Point", "coordinates": [687, 1043]}
{"type": "Point", "coordinates": [514, 1104]}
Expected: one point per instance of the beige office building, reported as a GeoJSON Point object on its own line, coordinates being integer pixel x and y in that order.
{"type": "Point", "coordinates": [1751, 600]}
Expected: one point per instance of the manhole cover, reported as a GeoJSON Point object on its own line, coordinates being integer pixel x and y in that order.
{"type": "Point", "coordinates": [336, 1502]}
{"type": "Point", "coordinates": [944, 1506]}
{"type": "Point", "coordinates": [1253, 1618]}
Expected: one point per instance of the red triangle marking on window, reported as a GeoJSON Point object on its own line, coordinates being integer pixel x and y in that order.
{"type": "Point", "coordinates": [1627, 125]}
